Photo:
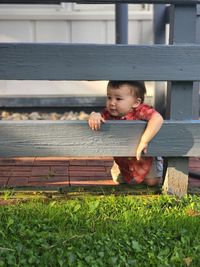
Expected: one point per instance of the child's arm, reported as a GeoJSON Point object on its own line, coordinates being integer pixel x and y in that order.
{"type": "Point", "coordinates": [95, 120]}
{"type": "Point", "coordinates": [153, 126]}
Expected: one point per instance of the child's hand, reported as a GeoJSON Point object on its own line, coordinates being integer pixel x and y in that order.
{"type": "Point", "coordinates": [142, 148]}
{"type": "Point", "coordinates": [95, 120]}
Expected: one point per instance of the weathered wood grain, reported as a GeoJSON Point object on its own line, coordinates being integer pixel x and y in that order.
{"type": "Point", "coordinates": [75, 138]}
{"type": "Point", "coordinates": [99, 62]}
{"type": "Point", "coordinates": [100, 1]}
{"type": "Point", "coordinates": [176, 179]}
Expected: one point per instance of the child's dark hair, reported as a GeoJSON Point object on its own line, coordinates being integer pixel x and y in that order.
{"type": "Point", "coordinates": [139, 87]}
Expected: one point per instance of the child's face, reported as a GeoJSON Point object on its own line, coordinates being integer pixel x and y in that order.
{"type": "Point", "coordinates": [120, 101]}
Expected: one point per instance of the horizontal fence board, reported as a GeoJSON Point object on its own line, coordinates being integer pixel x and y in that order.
{"type": "Point", "coordinates": [99, 62]}
{"type": "Point", "coordinates": [61, 101]}
{"type": "Point", "coordinates": [51, 101]}
{"type": "Point", "coordinates": [75, 138]}
{"type": "Point", "coordinates": [100, 1]}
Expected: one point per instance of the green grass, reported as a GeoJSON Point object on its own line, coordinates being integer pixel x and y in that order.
{"type": "Point", "coordinates": [102, 231]}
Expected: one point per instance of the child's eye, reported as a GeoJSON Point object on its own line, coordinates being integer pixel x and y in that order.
{"type": "Point", "coordinates": [108, 97]}
{"type": "Point", "coordinates": [118, 98]}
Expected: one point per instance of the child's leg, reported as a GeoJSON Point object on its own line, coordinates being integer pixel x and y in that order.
{"type": "Point", "coordinates": [155, 174]}
{"type": "Point", "coordinates": [116, 174]}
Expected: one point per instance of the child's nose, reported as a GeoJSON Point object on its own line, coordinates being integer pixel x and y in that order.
{"type": "Point", "coordinates": [112, 102]}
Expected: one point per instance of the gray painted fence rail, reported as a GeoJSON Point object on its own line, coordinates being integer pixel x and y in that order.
{"type": "Point", "coordinates": [75, 138]}
{"type": "Point", "coordinates": [56, 101]}
{"type": "Point", "coordinates": [99, 62]}
{"type": "Point", "coordinates": [188, 2]}
{"type": "Point", "coordinates": [22, 101]}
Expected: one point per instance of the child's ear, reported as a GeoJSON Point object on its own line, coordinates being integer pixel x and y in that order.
{"type": "Point", "coordinates": [137, 102]}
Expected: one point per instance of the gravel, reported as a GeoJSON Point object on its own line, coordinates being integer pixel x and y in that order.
{"type": "Point", "coordinates": [13, 116]}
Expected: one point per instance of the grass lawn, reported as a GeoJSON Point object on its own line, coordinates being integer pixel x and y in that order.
{"type": "Point", "coordinates": [101, 231]}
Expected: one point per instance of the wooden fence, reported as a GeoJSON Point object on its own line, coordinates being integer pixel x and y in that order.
{"type": "Point", "coordinates": [177, 63]}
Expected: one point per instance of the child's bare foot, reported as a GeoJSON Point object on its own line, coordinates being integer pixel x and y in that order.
{"type": "Point", "coordinates": [116, 174]}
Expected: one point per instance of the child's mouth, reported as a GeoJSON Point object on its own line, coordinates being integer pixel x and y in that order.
{"type": "Point", "coordinates": [113, 110]}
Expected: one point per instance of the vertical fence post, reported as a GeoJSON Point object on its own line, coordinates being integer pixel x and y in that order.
{"type": "Point", "coordinates": [121, 23]}
{"type": "Point", "coordinates": [159, 32]}
{"type": "Point", "coordinates": [196, 96]}
{"type": "Point", "coordinates": [180, 95]}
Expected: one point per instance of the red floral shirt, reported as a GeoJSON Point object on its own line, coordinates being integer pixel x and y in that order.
{"type": "Point", "coordinates": [130, 167]}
